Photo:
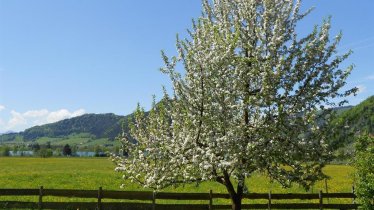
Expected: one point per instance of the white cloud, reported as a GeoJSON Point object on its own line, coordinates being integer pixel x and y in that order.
{"type": "Point", "coordinates": [79, 112]}
{"type": "Point", "coordinates": [2, 107]}
{"type": "Point", "coordinates": [15, 121]}
{"type": "Point", "coordinates": [20, 121]}
{"type": "Point", "coordinates": [370, 77]}
{"type": "Point", "coordinates": [63, 114]}
{"type": "Point", "coordinates": [36, 113]}
{"type": "Point", "coordinates": [361, 88]}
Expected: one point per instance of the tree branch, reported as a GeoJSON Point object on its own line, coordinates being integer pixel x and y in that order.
{"type": "Point", "coordinates": [201, 111]}
{"type": "Point", "coordinates": [228, 184]}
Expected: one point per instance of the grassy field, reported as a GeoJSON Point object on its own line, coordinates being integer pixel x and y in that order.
{"type": "Point", "coordinates": [82, 140]}
{"type": "Point", "coordinates": [91, 173]}
{"type": "Point", "coordinates": [64, 173]}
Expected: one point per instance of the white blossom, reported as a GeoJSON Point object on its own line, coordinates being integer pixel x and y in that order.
{"type": "Point", "coordinates": [247, 101]}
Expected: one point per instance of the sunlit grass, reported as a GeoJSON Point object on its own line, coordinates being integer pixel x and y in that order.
{"type": "Point", "coordinates": [91, 173]}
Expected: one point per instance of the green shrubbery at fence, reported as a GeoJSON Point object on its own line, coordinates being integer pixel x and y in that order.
{"type": "Point", "coordinates": [364, 162]}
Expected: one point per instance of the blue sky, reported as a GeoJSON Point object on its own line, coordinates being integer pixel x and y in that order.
{"type": "Point", "coordinates": [60, 59]}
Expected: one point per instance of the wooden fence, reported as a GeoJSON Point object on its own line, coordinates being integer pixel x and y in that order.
{"type": "Point", "coordinates": [147, 200]}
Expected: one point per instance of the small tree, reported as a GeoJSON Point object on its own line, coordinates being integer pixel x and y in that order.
{"type": "Point", "coordinates": [35, 147]}
{"type": "Point", "coordinates": [15, 149]}
{"type": "Point", "coordinates": [98, 151]}
{"type": "Point", "coordinates": [66, 150]}
{"type": "Point", "coordinates": [5, 151]}
{"type": "Point", "coordinates": [250, 99]}
{"type": "Point", "coordinates": [74, 150]}
{"type": "Point", "coordinates": [44, 153]}
{"type": "Point", "coordinates": [364, 163]}
{"type": "Point", "coordinates": [48, 145]}
{"type": "Point", "coordinates": [57, 151]}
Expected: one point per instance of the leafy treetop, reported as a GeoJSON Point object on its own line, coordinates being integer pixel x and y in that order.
{"type": "Point", "coordinates": [247, 101]}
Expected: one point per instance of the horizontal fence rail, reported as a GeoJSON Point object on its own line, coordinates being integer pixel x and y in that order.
{"type": "Point", "coordinates": [148, 200]}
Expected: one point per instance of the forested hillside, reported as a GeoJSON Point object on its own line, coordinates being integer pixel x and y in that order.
{"type": "Point", "coordinates": [352, 122]}
{"type": "Point", "coordinates": [349, 121]}
{"type": "Point", "coordinates": [97, 125]}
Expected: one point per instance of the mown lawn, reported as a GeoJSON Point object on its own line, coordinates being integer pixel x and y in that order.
{"type": "Point", "coordinates": [91, 173]}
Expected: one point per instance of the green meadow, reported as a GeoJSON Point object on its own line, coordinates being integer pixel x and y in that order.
{"type": "Point", "coordinates": [91, 173]}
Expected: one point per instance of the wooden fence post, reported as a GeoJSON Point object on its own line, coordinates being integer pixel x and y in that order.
{"type": "Point", "coordinates": [269, 200]}
{"type": "Point", "coordinates": [40, 203]}
{"type": "Point", "coordinates": [327, 190]}
{"type": "Point", "coordinates": [154, 200]}
{"type": "Point", "coordinates": [320, 200]}
{"type": "Point", "coordinates": [354, 197]}
{"type": "Point", "coordinates": [210, 200]}
{"type": "Point", "coordinates": [99, 196]}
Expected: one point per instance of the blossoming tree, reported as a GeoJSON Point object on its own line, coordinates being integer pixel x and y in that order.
{"type": "Point", "coordinates": [248, 98]}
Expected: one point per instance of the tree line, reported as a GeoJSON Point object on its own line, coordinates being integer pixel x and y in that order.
{"type": "Point", "coordinates": [48, 150]}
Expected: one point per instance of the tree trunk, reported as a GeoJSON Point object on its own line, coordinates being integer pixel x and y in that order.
{"type": "Point", "coordinates": [236, 202]}
{"type": "Point", "coordinates": [236, 197]}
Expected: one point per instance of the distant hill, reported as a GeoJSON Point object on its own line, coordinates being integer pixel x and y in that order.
{"type": "Point", "coordinates": [7, 132]}
{"type": "Point", "coordinates": [99, 125]}
{"type": "Point", "coordinates": [96, 125]}
{"type": "Point", "coordinates": [102, 129]}
{"type": "Point", "coordinates": [342, 109]}
{"type": "Point", "coordinates": [350, 122]}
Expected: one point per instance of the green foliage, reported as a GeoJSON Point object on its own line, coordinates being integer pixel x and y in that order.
{"type": "Point", "coordinates": [344, 154]}
{"type": "Point", "coordinates": [4, 151]}
{"type": "Point", "coordinates": [352, 122]}
{"type": "Point", "coordinates": [99, 152]}
{"type": "Point", "coordinates": [44, 153]}
{"type": "Point", "coordinates": [66, 150]}
{"type": "Point", "coordinates": [364, 162]}
{"type": "Point", "coordinates": [35, 147]}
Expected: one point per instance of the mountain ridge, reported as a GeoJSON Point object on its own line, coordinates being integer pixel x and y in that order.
{"type": "Point", "coordinates": [352, 122]}
{"type": "Point", "coordinates": [108, 126]}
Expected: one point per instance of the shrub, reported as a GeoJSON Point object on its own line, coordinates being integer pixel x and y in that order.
{"type": "Point", "coordinates": [364, 163]}
{"type": "Point", "coordinates": [44, 153]}
{"type": "Point", "coordinates": [5, 151]}
{"type": "Point", "coordinates": [66, 151]}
